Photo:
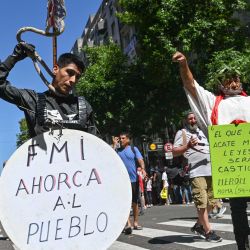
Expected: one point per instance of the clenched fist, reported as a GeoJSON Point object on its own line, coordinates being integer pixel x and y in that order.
{"type": "Point", "coordinates": [179, 57]}
{"type": "Point", "coordinates": [22, 50]}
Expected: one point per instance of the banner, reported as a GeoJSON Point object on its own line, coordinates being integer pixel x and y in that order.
{"type": "Point", "coordinates": [64, 190]}
{"type": "Point", "coordinates": [230, 158]}
{"type": "Point", "coordinates": [56, 14]}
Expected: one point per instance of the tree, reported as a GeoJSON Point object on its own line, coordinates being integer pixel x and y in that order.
{"type": "Point", "coordinates": [114, 89]}
{"type": "Point", "coordinates": [198, 28]}
{"type": "Point", "coordinates": [202, 29]}
{"type": "Point", "coordinates": [146, 96]}
{"type": "Point", "coordinates": [23, 136]}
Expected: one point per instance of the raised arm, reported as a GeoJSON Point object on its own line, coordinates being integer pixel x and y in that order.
{"type": "Point", "coordinates": [9, 93]}
{"type": "Point", "coordinates": [20, 52]}
{"type": "Point", "coordinates": [186, 74]}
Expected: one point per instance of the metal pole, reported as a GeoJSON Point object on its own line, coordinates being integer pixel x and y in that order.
{"type": "Point", "coordinates": [54, 48]}
{"type": "Point", "coordinates": [145, 153]}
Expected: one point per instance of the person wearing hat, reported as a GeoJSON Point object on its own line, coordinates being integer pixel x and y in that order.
{"type": "Point", "coordinates": [231, 106]}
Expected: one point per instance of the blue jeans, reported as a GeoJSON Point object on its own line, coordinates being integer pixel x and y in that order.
{"type": "Point", "coordinates": [185, 191]}
{"type": "Point", "coordinates": [149, 193]}
{"type": "Point", "coordinates": [177, 194]}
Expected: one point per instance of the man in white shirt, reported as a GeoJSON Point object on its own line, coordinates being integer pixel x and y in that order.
{"type": "Point", "coordinates": [232, 106]}
{"type": "Point", "coordinates": [193, 144]}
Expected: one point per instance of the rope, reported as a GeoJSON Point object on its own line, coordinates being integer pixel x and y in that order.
{"type": "Point", "coordinates": [36, 58]}
{"type": "Point", "coordinates": [38, 31]}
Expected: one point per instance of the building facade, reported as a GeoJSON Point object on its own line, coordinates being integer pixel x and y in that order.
{"type": "Point", "coordinates": [104, 26]}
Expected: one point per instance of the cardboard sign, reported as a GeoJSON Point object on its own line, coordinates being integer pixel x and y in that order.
{"type": "Point", "coordinates": [230, 158]}
{"type": "Point", "coordinates": [67, 190]}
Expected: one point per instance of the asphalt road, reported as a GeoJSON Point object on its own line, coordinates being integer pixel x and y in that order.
{"type": "Point", "coordinates": [166, 227]}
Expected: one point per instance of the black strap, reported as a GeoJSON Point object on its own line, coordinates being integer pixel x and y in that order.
{"type": "Point", "coordinates": [133, 150]}
{"type": "Point", "coordinates": [41, 108]}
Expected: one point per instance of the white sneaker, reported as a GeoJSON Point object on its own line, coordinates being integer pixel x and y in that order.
{"type": "Point", "coordinates": [212, 215]}
{"type": "Point", "coordinates": [221, 212]}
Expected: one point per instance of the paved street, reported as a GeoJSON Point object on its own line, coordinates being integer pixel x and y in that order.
{"type": "Point", "coordinates": [167, 227]}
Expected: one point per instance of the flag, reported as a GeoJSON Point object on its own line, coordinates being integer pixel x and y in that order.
{"type": "Point", "coordinates": [56, 14]}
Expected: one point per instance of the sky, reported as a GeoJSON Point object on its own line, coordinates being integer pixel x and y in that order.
{"type": "Point", "coordinates": [15, 15]}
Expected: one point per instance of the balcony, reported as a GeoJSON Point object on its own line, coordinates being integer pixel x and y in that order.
{"type": "Point", "coordinates": [101, 26]}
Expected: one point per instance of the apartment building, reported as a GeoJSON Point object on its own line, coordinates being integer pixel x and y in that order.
{"type": "Point", "coordinates": [104, 26]}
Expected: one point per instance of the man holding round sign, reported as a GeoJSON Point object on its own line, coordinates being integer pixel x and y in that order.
{"type": "Point", "coordinates": [55, 179]}
{"type": "Point", "coordinates": [230, 107]}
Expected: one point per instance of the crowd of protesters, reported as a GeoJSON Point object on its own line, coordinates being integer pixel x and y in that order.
{"type": "Point", "coordinates": [176, 182]}
{"type": "Point", "coordinates": [156, 185]}
{"type": "Point", "coordinates": [152, 180]}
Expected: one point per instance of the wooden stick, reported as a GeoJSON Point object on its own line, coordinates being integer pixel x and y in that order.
{"type": "Point", "coordinates": [54, 49]}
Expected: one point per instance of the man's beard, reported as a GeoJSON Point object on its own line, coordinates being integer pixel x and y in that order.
{"type": "Point", "coordinates": [192, 127]}
{"type": "Point", "coordinates": [230, 92]}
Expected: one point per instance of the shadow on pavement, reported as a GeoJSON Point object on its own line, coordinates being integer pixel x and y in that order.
{"type": "Point", "coordinates": [175, 238]}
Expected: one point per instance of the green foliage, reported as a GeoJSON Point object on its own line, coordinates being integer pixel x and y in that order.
{"type": "Point", "coordinates": [120, 94]}
{"type": "Point", "coordinates": [231, 61]}
{"type": "Point", "coordinates": [147, 95]}
{"type": "Point", "coordinates": [23, 136]}
{"type": "Point", "coordinates": [102, 85]}
{"type": "Point", "coordinates": [199, 28]}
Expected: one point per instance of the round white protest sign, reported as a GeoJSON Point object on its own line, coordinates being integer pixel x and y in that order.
{"type": "Point", "coordinates": [64, 191]}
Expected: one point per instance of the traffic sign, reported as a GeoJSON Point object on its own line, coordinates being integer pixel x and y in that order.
{"type": "Point", "coordinates": [168, 147]}
{"type": "Point", "coordinates": [152, 146]}
{"type": "Point", "coordinates": [155, 146]}
{"type": "Point", "coordinates": [169, 155]}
